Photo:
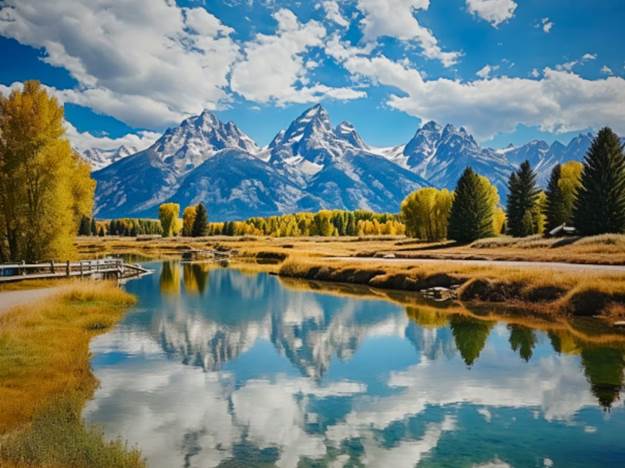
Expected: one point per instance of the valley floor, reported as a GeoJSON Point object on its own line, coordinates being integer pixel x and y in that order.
{"type": "Point", "coordinates": [566, 276]}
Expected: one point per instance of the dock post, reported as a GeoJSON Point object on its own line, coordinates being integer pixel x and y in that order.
{"type": "Point", "coordinates": [23, 268]}
{"type": "Point", "coordinates": [52, 266]}
{"type": "Point", "coordinates": [67, 268]}
{"type": "Point", "coordinates": [81, 272]}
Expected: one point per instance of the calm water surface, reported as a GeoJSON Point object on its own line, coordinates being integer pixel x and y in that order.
{"type": "Point", "coordinates": [215, 367]}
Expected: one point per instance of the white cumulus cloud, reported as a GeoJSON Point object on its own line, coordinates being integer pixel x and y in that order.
{"type": "Point", "coordinates": [546, 24]}
{"type": "Point", "coordinates": [493, 11]}
{"type": "Point", "coordinates": [395, 18]}
{"type": "Point", "coordinates": [333, 12]}
{"type": "Point", "coordinates": [82, 141]}
{"type": "Point", "coordinates": [486, 71]}
{"type": "Point", "coordinates": [147, 64]}
{"type": "Point", "coordinates": [561, 101]}
{"type": "Point", "coordinates": [606, 70]}
{"type": "Point", "coordinates": [274, 69]}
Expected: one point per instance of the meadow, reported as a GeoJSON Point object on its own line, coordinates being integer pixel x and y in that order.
{"type": "Point", "coordinates": [393, 263]}
{"type": "Point", "coordinates": [45, 379]}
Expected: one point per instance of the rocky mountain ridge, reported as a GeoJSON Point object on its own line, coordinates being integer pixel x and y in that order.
{"type": "Point", "coordinates": [308, 166]}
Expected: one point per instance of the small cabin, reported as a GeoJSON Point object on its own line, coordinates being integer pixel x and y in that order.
{"type": "Point", "coordinates": [562, 231]}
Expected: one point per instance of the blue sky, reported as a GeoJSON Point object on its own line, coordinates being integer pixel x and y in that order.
{"type": "Point", "coordinates": [508, 70]}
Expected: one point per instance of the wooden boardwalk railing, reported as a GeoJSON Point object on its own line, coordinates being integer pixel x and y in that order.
{"type": "Point", "coordinates": [105, 268]}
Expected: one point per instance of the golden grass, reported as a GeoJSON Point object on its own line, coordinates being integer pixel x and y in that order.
{"type": "Point", "coordinates": [316, 258]}
{"type": "Point", "coordinates": [45, 378]}
{"type": "Point", "coordinates": [437, 314]}
{"type": "Point", "coordinates": [605, 249]}
{"type": "Point", "coordinates": [34, 284]}
{"type": "Point", "coordinates": [540, 290]}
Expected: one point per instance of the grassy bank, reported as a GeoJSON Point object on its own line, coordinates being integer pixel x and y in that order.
{"type": "Point", "coordinates": [606, 249]}
{"type": "Point", "coordinates": [315, 258]}
{"type": "Point", "coordinates": [432, 314]}
{"type": "Point", "coordinates": [45, 379]}
{"type": "Point", "coordinates": [543, 291]}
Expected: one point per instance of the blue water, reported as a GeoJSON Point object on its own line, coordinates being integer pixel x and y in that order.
{"type": "Point", "coordinates": [214, 367]}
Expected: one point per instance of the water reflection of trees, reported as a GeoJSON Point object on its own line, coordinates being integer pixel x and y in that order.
{"type": "Point", "coordinates": [523, 340]}
{"type": "Point", "coordinates": [169, 281]}
{"type": "Point", "coordinates": [603, 365]}
{"type": "Point", "coordinates": [604, 370]}
{"type": "Point", "coordinates": [310, 330]}
{"type": "Point", "coordinates": [195, 277]}
{"type": "Point", "coordinates": [470, 336]}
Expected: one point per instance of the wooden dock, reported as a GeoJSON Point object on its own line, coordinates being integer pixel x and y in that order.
{"type": "Point", "coordinates": [104, 268]}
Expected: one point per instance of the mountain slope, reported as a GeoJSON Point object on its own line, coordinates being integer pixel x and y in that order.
{"type": "Point", "coordinates": [310, 165]}
{"type": "Point", "coordinates": [99, 158]}
{"type": "Point", "coordinates": [440, 155]}
{"type": "Point", "coordinates": [236, 185]}
{"type": "Point", "coordinates": [136, 185]}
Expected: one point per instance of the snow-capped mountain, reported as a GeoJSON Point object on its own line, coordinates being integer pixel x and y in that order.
{"type": "Point", "coordinates": [310, 165]}
{"type": "Point", "coordinates": [440, 155]}
{"type": "Point", "coordinates": [544, 157]}
{"type": "Point", "coordinates": [136, 185]}
{"type": "Point", "coordinates": [99, 158]}
{"type": "Point", "coordinates": [336, 167]}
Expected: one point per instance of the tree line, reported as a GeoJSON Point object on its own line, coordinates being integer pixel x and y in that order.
{"type": "Point", "coordinates": [588, 196]}
{"type": "Point", "coordinates": [130, 227]}
{"type": "Point", "coordinates": [194, 223]}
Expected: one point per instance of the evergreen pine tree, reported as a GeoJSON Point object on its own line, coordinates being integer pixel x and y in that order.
{"type": "Point", "coordinates": [471, 215]}
{"type": "Point", "coordinates": [600, 204]}
{"type": "Point", "coordinates": [556, 209]}
{"type": "Point", "coordinates": [200, 223]}
{"type": "Point", "coordinates": [85, 228]}
{"type": "Point", "coordinates": [94, 228]}
{"type": "Point", "coordinates": [522, 198]}
{"type": "Point", "coordinates": [101, 232]}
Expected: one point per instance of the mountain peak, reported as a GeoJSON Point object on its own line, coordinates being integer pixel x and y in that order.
{"type": "Point", "coordinates": [346, 131]}
{"type": "Point", "coordinates": [431, 126]}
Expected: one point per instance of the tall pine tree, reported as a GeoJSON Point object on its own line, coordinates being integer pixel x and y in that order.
{"type": "Point", "coordinates": [522, 198]}
{"type": "Point", "coordinates": [600, 204]}
{"type": "Point", "coordinates": [200, 223]}
{"type": "Point", "coordinates": [471, 215]}
{"type": "Point", "coordinates": [561, 193]}
{"type": "Point", "coordinates": [84, 228]}
{"type": "Point", "coordinates": [556, 209]}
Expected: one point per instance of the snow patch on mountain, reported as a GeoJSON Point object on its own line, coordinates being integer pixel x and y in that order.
{"type": "Point", "coordinates": [310, 165]}
{"type": "Point", "coordinates": [99, 158]}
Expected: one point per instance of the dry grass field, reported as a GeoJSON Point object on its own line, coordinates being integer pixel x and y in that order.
{"type": "Point", "coordinates": [368, 261]}
{"type": "Point", "coordinates": [605, 250]}
{"type": "Point", "coordinates": [45, 378]}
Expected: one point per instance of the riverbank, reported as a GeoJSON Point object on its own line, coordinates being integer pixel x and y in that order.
{"type": "Point", "coordinates": [45, 379]}
{"type": "Point", "coordinates": [598, 250]}
{"type": "Point", "coordinates": [539, 275]}
{"type": "Point", "coordinates": [546, 291]}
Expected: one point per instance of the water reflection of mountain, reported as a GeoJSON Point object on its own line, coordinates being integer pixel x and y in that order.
{"type": "Point", "coordinates": [313, 329]}
{"type": "Point", "coordinates": [307, 328]}
{"type": "Point", "coordinates": [414, 383]}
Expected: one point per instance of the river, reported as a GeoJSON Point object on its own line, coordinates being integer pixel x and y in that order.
{"type": "Point", "coordinates": [217, 367]}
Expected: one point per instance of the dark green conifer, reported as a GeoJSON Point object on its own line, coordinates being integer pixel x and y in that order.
{"type": "Point", "coordinates": [84, 229]}
{"type": "Point", "coordinates": [522, 198]}
{"type": "Point", "coordinates": [600, 204]}
{"type": "Point", "coordinates": [200, 223]}
{"type": "Point", "coordinates": [556, 206]}
{"type": "Point", "coordinates": [471, 215]}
